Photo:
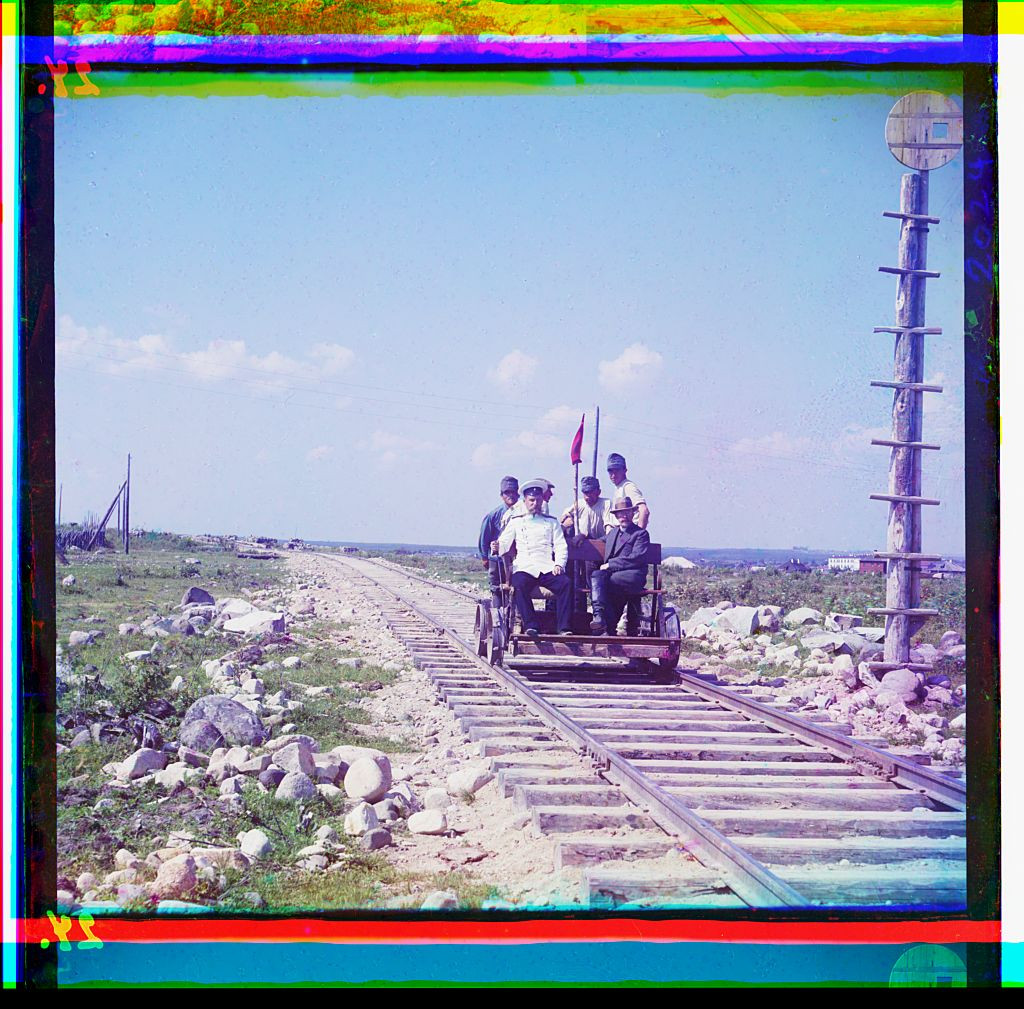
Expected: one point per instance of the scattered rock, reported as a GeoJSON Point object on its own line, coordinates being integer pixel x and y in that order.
{"type": "Point", "coordinates": [176, 878]}
{"type": "Point", "coordinates": [842, 621]}
{"type": "Point", "coordinates": [237, 724]}
{"type": "Point", "coordinates": [295, 787]}
{"type": "Point", "coordinates": [255, 843]}
{"type": "Point", "coordinates": [361, 819]}
{"type": "Point", "coordinates": [271, 777]}
{"type": "Point", "coordinates": [292, 662]}
{"type": "Point", "coordinates": [379, 837]}
{"type": "Point", "coordinates": [295, 757]}
{"type": "Point", "coordinates": [740, 620]}
{"type": "Point", "coordinates": [802, 615]}
{"type": "Point", "coordinates": [441, 900]}
{"type": "Point", "coordinates": [197, 595]}
{"type": "Point", "coordinates": [140, 763]}
{"type": "Point", "coordinates": [68, 581]}
{"type": "Point", "coordinates": [468, 780]}
{"type": "Point", "coordinates": [949, 640]}
{"type": "Point", "coordinates": [368, 778]}
{"type": "Point", "coordinates": [257, 622]}
{"type": "Point", "coordinates": [429, 821]}
{"type": "Point", "coordinates": [436, 798]}
{"type": "Point", "coordinates": [76, 639]}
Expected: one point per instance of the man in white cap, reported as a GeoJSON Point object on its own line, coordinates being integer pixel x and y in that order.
{"type": "Point", "coordinates": [541, 555]}
{"type": "Point", "coordinates": [520, 509]}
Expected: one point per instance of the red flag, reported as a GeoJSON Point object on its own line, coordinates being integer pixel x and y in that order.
{"type": "Point", "coordinates": [577, 445]}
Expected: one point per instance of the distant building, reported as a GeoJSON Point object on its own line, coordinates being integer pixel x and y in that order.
{"type": "Point", "coordinates": [677, 562]}
{"type": "Point", "coordinates": [948, 569]}
{"type": "Point", "coordinates": [872, 566]}
{"type": "Point", "coordinates": [844, 564]}
{"type": "Point", "coordinates": [865, 565]}
{"type": "Point", "coordinates": [793, 564]}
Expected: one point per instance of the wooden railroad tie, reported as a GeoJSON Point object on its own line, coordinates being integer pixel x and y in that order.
{"type": "Point", "coordinates": [905, 498]}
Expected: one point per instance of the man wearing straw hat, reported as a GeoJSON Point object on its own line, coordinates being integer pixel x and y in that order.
{"type": "Point", "coordinates": [618, 582]}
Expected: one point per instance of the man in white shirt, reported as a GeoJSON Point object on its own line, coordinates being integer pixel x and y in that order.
{"type": "Point", "coordinates": [626, 488]}
{"type": "Point", "coordinates": [541, 555]}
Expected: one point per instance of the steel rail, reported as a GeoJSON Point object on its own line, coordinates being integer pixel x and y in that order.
{"type": "Point", "coordinates": [749, 879]}
{"type": "Point", "coordinates": [894, 768]}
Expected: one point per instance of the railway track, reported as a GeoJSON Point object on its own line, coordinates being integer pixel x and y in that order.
{"type": "Point", "coordinates": [687, 794]}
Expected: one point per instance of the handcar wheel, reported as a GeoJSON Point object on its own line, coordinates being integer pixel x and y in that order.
{"type": "Point", "coordinates": [483, 628]}
{"type": "Point", "coordinates": [672, 630]}
{"type": "Point", "coordinates": [496, 647]}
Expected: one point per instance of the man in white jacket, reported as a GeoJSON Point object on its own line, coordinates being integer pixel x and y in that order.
{"type": "Point", "coordinates": [541, 555]}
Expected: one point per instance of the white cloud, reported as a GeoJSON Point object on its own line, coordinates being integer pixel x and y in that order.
{"type": "Point", "coordinates": [219, 360]}
{"type": "Point", "coordinates": [513, 369]}
{"type": "Point", "coordinates": [485, 455]}
{"type": "Point", "coordinates": [389, 448]}
{"type": "Point", "coordinates": [634, 367]}
{"type": "Point", "coordinates": [538, 443]}
{"type": "Point", "coordinates": [319, 453]}
{"type": "Point", "coordinates": [561, 418]}
{"type": "Point", "coordinates": [333, 358]}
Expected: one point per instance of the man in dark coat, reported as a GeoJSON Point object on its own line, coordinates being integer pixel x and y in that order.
{"type": "Point", "coordinates": [490, 530]}
{"type": "Point", "coordinates": [617, 584]}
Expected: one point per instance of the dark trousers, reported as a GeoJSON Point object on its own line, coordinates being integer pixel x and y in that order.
{"type": "Point", "coordinates": [611, 592]}
{"type": "Point", "coordinates": [494, 576]}
{"type": "Point", "coordinates": [524, 584]}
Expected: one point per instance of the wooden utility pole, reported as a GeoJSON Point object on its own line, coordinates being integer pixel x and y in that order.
{"type": "Point", "coordinates": [127, 502]}
{"type": "Point", "coordinates": [924, 131]}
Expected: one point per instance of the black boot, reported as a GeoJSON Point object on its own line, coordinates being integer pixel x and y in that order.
{"type": "Point", "coordinates": [597, 625]}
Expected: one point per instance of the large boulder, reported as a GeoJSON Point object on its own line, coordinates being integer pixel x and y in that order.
{"type": "Point", "coordinates": [294, 787]}
{"type": "Point", "coordinates": [802, 615]}
{"type": "Point", "coordinates": [295, 757]}
{"type": "Point", "coordinates": [842, 621]}
{"type": "Point", "coordinates": [368, 778]}
{"type": "Point", "coordinates": [176, 878]}
{"type": "Point", "coordinates": [902, 682]}
{"type": "Point", "coordinates": [234, 607]}
{"type": "Point", "coordinates": [141, 762]}
{"type": "Point", "coordinates": [704, 616]}
{"type": "Point", "coordinates": [742, 620]}
{"type": "Point", "coordinates": [256, 622]}
{"type": "Point", "coordinates": [201, 735]}
{"type": "Point", "coordinates": [197, 595]}
{"type": "Point", "coordinates": [237, 724]}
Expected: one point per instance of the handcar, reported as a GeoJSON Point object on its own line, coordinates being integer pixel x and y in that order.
{"type": "Point", "coordinates": [656, 646]}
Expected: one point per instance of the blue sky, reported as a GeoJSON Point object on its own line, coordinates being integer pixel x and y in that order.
{"type": "Point", "coordinates": [347, 317]}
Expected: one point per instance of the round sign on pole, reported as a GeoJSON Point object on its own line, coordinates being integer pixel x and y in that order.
{"type": "Point", "coordinates": [925, 130]}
